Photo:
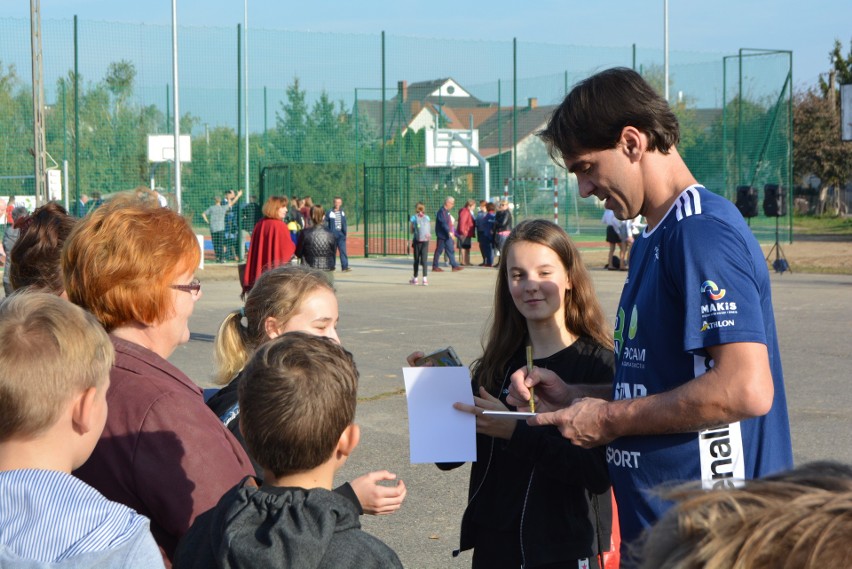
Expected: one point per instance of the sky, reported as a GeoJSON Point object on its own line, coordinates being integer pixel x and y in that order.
{"type": "Point", "coordinates": [809, 29]}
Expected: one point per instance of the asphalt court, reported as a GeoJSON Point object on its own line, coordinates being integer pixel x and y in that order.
{"type": "Point", "coordinates": [383, 318]}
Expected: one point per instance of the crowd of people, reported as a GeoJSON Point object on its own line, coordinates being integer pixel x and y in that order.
{"type": "Point", "coordinates": [111, 457]}
{"type": "Point", "coordinates": [296, 228]}
{"type": "Point", "coordinates": [490, 225]}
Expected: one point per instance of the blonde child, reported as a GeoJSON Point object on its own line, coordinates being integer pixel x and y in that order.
{"type": "Point", "coordinates": [55, 361]}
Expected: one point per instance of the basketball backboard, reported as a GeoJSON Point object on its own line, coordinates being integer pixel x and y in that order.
{"type": "Point", "coordinates": [161, 148]}
{"type": "Point", "coordinates": [443, 147]}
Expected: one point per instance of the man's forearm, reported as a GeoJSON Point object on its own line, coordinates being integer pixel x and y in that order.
{"type": "Point", "coordinates": [736, 388]}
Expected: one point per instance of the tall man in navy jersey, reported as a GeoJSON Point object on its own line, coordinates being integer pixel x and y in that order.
{"type": "Point", "coordinates": [698, 392]}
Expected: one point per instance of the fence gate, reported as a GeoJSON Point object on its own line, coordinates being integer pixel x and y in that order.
{"type": "Point", "coordinates": [387, 193]}
{"type": "Point", "coordinates": [274, 181]}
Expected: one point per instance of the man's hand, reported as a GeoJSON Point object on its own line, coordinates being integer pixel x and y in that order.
{"type": "Point", "coordinates": [583, 423]}
{"type": "Point", "coordinates": [551, 393]}
{"type": "Point", "coordinates": [498, 427]}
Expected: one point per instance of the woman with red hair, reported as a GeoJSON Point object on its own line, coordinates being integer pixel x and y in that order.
{"type": "Point", "coordinates": [131, 263]}
{"type": "Point", "coordinates": [271, 244]}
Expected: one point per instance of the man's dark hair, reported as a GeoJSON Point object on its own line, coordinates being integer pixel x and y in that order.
{"type": "Point", "coordinates": [598, 108]}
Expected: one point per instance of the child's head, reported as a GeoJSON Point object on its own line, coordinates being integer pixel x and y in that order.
{"type": "Point", "coordinates": [297, 398]}
{"type": "Point", "coordinates": [420, 208]}
{"type": "Point", "coordinates": [282, 299]}
{"type": "Point", "coordinates": [490, 207]}
{"type": "Point", "coordinates": [317, 214]}
{"type": "Point", "coordinates": [52, 352]}
{"type": "Point", "coordinates": [583, 314]}
{"type": "Point", "coordinates": [36, 255]}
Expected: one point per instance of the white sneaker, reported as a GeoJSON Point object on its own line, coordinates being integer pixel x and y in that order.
{"type": "Point", "coordinates": [425, 282]}
{"type": "Point", "coordinates": [413, 281]}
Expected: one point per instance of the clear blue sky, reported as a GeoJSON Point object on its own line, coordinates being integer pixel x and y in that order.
{"type": "Point", "coordinates": [807, 28]}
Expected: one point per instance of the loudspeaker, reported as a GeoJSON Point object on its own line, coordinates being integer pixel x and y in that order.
{"type": "Point", "coordinates": [747, 201]}
{"type": "Point", "coordinates": [774, 201]}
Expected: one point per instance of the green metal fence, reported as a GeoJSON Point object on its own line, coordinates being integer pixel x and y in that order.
{"type": "Point", "coordinates": [325, 110]}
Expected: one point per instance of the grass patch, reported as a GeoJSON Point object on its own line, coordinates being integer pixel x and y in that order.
{"type": "Point", "coordinates": [813, 225]}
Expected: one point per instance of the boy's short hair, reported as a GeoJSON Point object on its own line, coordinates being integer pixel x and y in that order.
{"type": "Point", "coordinates": [51, 350]}
{"type": "Point", "coordinates": [297, 396]}
{"type": "Point", "coordinates": [490, 207]}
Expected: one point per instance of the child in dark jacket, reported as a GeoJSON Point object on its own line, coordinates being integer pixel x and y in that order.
{"type": "Point", "coordinates": [485, 235]}
{"type": "Point", "coordinates": [298, 394]}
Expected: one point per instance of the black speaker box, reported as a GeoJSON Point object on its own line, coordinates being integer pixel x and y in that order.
{"type": "Point", "coordinates": [747, 201]}
{"type": "Point", "coordinates": [774, 201]}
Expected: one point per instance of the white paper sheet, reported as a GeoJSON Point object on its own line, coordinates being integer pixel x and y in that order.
{"type": "Point", "coordinates": [520, 415]}
{"type": "Point", "coordinates": [437, 432]}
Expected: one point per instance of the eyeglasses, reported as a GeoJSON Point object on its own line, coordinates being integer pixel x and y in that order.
{"type": "Point", "coordinates": [193, 288]}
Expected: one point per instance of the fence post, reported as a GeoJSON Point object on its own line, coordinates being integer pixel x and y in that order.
{"type": "Point", "coordinates": [556, 201]}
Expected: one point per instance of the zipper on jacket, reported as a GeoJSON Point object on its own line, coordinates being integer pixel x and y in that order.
{"type": "Point", "coordinates": [523, 514]}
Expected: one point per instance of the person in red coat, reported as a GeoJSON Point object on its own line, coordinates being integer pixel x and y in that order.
{"type": "Point", "coordinates": [271, 244]}
{"type": "Point", "coordinates": [465, 230]}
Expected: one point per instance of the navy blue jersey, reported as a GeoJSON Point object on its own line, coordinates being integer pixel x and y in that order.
{"type": "Point", "coordinates": [698, 279]}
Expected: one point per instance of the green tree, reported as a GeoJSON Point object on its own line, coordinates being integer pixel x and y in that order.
{"type": "Point", "coordinates": [292, 124]}
{"type": "Point", "coordinates": [16, 128]}
{"type": "Point", "coordinates": [841, 68]}
{"type": "Point", "coordinates": [119, 81]}
{"type": "Point", "coordinates": [322, 136]}
{"type": "Point", "coordinates": [817, 147]}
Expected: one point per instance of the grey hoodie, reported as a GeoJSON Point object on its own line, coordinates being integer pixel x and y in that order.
{"type": "Point", "coordinates": [270, 526]}
{"type": "Point", "coordinates": [50, 519]}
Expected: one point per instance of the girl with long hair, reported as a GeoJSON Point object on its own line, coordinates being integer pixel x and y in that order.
{"type": "Point", "coordinates": [535, 499]}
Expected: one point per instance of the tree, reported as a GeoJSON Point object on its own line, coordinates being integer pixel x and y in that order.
{"type": "Point", "coordinates": [16, 133]}
{"type": "Point", "coordinates": [841, 68]}
{"type": "Point", "coordinates": [119, 81]}
{"type": "Point", "coordinates": [292, 123]}
{"type": "Point", "coordinates": [817, 147]}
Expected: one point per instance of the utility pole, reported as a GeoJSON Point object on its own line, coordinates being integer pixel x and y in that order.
{"type": "Point", "coordinates": [40, 170]}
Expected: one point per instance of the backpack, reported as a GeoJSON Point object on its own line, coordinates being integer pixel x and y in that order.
{"type": "Point", "coordinates": [422, 229]}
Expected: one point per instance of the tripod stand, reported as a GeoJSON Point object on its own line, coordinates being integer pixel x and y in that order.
{"type": "Point", "coordinates": [780, 263]}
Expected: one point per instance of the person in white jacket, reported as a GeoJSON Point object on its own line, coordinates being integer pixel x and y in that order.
{"type": "Point", "coordinates": [619, 233]}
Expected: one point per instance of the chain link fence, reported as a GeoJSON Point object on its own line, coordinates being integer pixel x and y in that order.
{"type": "Point", "coordinates": [320, 122]}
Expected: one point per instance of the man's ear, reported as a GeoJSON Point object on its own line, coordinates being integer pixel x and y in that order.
{"type": "Point", "coordinates": [349, 439]}
{"type": "Point", "coordinates": [270, 327]}
{"type": "Point", "coordinates": [81, 410]}
{"type": "Point", "coordinates": [634, 142]}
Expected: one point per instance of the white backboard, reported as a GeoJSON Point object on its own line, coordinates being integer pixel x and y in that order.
{"type": "Point", "coordinates": [846, 112]}
{"type": "Point", "coordinates": [444, 149]}
{"type": "Point", "coordinates": [161, 148]}
{"type": "Point", "coordinates": [54, 184]}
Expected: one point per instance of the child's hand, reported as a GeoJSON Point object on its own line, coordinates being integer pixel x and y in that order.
{"type": "Point", "coordinates": [377, 499]}
{"type": "Point", "coordinates": [497, 427]}
{"type": "Point", "coordinates": [413, 357]}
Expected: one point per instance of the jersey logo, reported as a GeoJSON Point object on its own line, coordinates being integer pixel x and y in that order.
{"type": "Point", "coordinates": [722, 457]}
{"type": "Point", "coordinates": [712, 290]}
{"type": "Point", "coordinates": [618, 334]}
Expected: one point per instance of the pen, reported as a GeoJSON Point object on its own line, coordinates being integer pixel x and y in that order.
{"type": "Point", "coordinates": [529, 371]}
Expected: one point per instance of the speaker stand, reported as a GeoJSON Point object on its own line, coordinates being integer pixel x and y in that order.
{"type": "Point", "coordinates": [780, 263]}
